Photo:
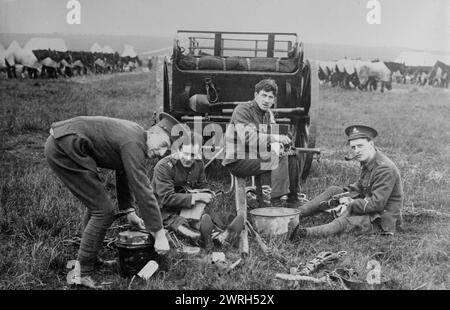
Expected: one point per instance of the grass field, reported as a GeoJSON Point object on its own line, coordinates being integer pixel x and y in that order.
{"type": "Point", "coordinates": [37, 213]}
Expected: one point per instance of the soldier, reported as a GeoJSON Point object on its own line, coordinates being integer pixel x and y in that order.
{"type": "Point", "coordinates": [74, 150]}
{"type": "Point", "coordinates": [377, 195]}
{"type": "Point", "coordinates": [182, 191]}
{"type": "Point", "coordinates": [250, 127]}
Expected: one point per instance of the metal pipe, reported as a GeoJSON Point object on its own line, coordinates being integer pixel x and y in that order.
{"type": "Point", "coordinates": [214, 157]}
{"type": "Point", "coordinates": [276, 110]}
{"type": "Point", "coordinates": [307, 150]}
{"type": "Point", "coordinates": [350, 158]}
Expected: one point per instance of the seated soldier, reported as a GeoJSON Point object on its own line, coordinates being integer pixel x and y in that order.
{"type": "Point", "coordinates": [373, 203]}
{"type": "Point", "coordinates": [248, 140]}
{"type": "Point", "coordinates": [181, 188]}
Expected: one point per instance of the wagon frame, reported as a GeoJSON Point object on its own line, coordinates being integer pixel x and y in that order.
{"type": "Point", "coordinates": [223, 87]}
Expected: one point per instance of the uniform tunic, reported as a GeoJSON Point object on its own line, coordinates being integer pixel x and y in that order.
{"type": "Point", "coordinates": [247, 114]}
{"type": "Point", "coordinates": [97, 141]}
{"type": "Point", "coordinates": [247, 151]}
{"type": "Point", "coordinates": [170, 178]}
{"type": "Point", "coordinates": [381, 191]}
{"type": "Point", "coordinates": [378, 197]}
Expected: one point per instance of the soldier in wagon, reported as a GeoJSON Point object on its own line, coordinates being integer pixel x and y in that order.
{"type": "Point", "coordinates": [77, 147]}
{"type": "Point", "coordinates": [253, 147]}
{"type": "Point", "coordinates": [373, 204]}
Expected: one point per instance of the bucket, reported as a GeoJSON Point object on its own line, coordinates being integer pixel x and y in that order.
{"type": "Point", "coordinates": [273, 220]}
{"type": "Point", "coordinates": [135, 250]}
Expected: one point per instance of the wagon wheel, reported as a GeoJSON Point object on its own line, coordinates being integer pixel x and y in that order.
{"type": "Point", "coordinates": [304, 132]}
{"type": "Point", "coordinates": [162, 83]}
{"type": "Point", "coordinates": [166, 90]}
{"type": "Point", "coordinates": [302, 138]}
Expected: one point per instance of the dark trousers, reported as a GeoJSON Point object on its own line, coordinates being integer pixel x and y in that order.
{"type": "Point", "coordinates": [62, 156]}
{"type": "Point", "coordinates": [284, 178]}
{"type": "Point", "coordinates": [358, 224]}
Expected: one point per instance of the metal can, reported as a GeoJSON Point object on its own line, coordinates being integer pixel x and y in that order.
{"type": "Point", "coordinates": [135, 250]}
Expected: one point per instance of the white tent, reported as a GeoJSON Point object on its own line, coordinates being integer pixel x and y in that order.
{"type": "Point", "coordinates": [46, 43]}
{"type": "Point", "coordinates": [96, 48]}
{"type": "Point", "coordinates": [27, 58]}
{"type": "Point", "coordinates": [128, 50]}
{"type": "Point", "coordinates": [108, 50]}
{"type": "Point", "coordinates": [445, 58]}
{"type": "Point", "coordinates": [2, 57]}
{"type": "Point", "coordinates": [416, 59]}
{"type": "Point", "coordinates": [12, 51]}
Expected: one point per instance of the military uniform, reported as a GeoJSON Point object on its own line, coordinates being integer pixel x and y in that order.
{"type": "Point", "coordinates": [377, 203]}
{"type": "Point", "coordinates": [170, 179]}
{"type": "Point", "coordinates": [74, 151]}
{"type": "Point", "coordinates": [246, 151]}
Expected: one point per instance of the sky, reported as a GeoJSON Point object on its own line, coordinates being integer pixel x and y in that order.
{"type": "Point", "coordinates": [416, 24]}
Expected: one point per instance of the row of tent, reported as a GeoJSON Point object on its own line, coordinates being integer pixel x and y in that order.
{"type": "Point", "coordinates": [421, 59]}
{"type": "Point", "coordinates": [40, 53]}
{"type": "Point", "coordinates": [59, 45]}
{"type": "Point", "coordinates": [351, 73]}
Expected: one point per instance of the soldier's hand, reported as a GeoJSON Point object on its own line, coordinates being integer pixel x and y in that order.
{"type": "Point", "coordinates": [205, 197]}
{"type": "Point", "coordinates": [342, 210]}
{"type": "Point", "coordinates": [135, 220]}
{"type": "Point", "coordinates": [345, 200]}
{"type": "Point", "coordinates": [277, 148]}
{"type": "Point", "coordinates": [284, 139]}
{"type": "Point", "coordinates": [161, 243]}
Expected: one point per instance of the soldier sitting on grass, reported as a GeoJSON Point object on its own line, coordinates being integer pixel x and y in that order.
{"type": "Point", "coordinates": [377, 196]}
{"type": "Point", "coordinates": [182, 191]}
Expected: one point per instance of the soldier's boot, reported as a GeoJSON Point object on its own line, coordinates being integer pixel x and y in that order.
{"type": "Point", "coordinates": [102, 263]}
{"type": "Point", "coordinates": [233, 230]}
{"type": "Point", "coordinates": [190, 234]}
{"type": "Point", "coordinates": [296, 232]}
{"type": "Point", "coordinates": [277, 202]}
{"type": "Point", "coordinates": [206, 228]}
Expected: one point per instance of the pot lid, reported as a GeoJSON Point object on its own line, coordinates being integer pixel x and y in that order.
{"type": "Point", "coordinates": [129, 237]}
{"type": "Point", "coordinates": [274, 211]}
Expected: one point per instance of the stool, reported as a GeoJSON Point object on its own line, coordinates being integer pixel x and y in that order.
{"type": "Point", "coordinates": [240, 195]}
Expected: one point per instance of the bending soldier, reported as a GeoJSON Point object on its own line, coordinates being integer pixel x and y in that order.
{"type": "Point", "coordinates": [74, 150]}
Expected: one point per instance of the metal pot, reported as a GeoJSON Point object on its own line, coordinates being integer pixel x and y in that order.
{"type": "Point", "coordinates": [273, 220]}
{"type": "Point", "coordinates": [135, 250]}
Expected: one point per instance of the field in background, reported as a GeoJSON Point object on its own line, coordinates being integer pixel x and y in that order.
{"type": "Point", "coordinates": [38, 214]}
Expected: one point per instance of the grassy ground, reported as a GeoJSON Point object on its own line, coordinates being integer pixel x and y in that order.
{"type": "Point", "coordinates": [37, 213]}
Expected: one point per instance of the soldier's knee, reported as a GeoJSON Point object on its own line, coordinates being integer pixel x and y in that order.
{"type": "Point", "coordinates": [107, 214]}
{"type": "Point", "coordinates": [333, 190]}
{"type": "Point", "coordinates": [49, 148]}
{"type": "Point", "coordinates": [341, 222]}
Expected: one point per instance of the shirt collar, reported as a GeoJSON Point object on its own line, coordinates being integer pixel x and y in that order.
{"type": "Point", "coordinates": [369, 166]}
{"type": "Point", "coordinates": [256, 107]}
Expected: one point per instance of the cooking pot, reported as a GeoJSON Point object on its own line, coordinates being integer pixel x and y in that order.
{"type": "Point", "coordinates": [274, 220]}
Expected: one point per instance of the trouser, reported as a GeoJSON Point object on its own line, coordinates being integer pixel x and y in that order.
{"type": "Point", "coordinates": [284, 178]}
{"type": "Point", "coordinates": [173, 221]}
{"type": "Point", "coordinates": [315, 206]}
{"type": "Point", "coordinates": [86, 185]}
{"type": "Point", "coordinates": [359, 224]}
